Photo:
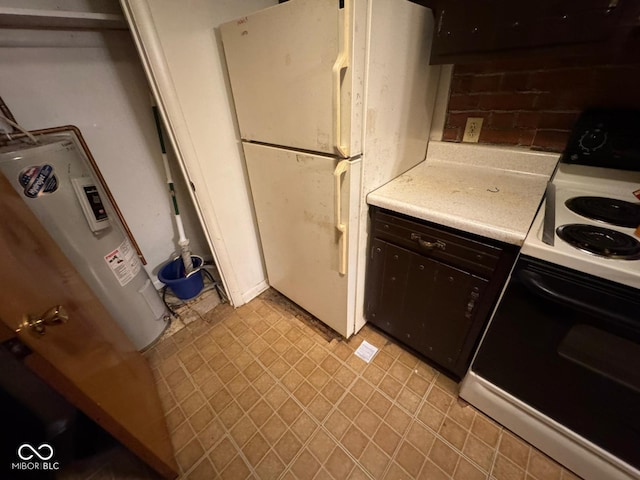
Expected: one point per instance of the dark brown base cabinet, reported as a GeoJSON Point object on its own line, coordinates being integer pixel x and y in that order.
{"type": "Point", "coordinates": [433, 288]}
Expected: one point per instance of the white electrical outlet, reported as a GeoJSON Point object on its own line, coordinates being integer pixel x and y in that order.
{"type": "Point", "coordinates": [472, 129]}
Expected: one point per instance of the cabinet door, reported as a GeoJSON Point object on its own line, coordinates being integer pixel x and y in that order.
{"type": "Point", "coordinates": [445, 301]}
{"type": "Point", "coordinates": [426, 304]}
{"type": "Point", "coordinates": [387, 289]}
{"type": "Point", "coordinates": [498, 25]}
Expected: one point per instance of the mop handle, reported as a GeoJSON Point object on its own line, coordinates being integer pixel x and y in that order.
{"type": "Point", "coordinates": [182, 239]}
{"type": "Point", "coordinates": [165, 161]}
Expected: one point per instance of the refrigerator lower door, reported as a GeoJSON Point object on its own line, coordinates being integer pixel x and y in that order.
{"type": "Point", "coordinates": [308, 248]}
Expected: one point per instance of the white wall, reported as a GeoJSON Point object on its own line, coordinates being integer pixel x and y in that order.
{"type": "Point", "coordinates": [184, 59]}
{"type": "Point", "coordinates": [442, 102]}
{"type": "Point", "coordinates": [96, 83]}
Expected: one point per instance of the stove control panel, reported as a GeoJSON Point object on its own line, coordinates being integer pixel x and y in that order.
{"type": "Point", "coordinates": [593, 140]}
{"type": "Point", "coordinates": [605, 138]}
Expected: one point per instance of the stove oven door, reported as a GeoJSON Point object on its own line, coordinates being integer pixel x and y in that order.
{"type": "Point", "coordinates": [568, 345]}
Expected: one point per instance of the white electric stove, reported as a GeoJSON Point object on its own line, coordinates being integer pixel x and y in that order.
{"type": "Point", "coordinates": [558, 363]}
{"type": "Point", "coordinates": [590, 223]}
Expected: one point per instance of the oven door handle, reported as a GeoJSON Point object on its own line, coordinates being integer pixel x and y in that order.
{"type": "Point", "coordinates": [536, 284]}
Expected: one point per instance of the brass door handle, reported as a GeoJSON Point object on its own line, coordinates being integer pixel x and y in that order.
{"type": "Point", "coordinates": [428, 245]}
{"type": "Point", "coordinates": [36, 323]}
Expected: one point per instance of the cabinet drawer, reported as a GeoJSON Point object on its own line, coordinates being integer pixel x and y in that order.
{"type": "Point", "coordinates": [436, 243]}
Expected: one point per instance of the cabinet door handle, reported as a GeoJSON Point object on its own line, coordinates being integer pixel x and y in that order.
{"type": "Point", "coordinates": [428, 245]}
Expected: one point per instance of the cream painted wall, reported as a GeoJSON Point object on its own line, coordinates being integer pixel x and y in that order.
{"type": "Point", "coordinates": [184, 60]}
{"type": "Point", "coordinates": [94, 80]}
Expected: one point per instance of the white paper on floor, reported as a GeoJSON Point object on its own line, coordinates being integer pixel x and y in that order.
{"type": "Point", "coordinates": [366, 351]}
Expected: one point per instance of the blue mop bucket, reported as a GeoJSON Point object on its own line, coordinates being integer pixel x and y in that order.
{"type": "Point", "coordinates": [185, 288]}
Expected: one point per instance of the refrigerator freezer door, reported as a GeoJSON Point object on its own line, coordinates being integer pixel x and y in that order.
{"type": "Point", "coordinates": [294, 194]}
{"type": "Point", "coordinates": [293, 72]}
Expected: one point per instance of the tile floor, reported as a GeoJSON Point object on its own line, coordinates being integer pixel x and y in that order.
{"type": "Point", "coordinates": [261, 392]}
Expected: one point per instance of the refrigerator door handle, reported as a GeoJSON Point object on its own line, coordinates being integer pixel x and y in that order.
{"type": "Point", "coordinates": [342, 62]}
{"type": "Point", "coordinates": [341, 169]}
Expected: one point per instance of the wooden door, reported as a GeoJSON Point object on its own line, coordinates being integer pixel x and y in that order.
{"type": "Point", "coordinates": [89, 360]}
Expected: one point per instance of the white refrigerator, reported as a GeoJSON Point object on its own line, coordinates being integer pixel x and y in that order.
{"type": "Point", "coordinates": [333, 99]}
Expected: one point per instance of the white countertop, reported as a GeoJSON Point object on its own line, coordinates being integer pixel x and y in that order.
{"type": "Point", "coordinates": [486, 190]}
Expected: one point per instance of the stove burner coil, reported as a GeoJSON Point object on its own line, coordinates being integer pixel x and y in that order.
{"type": "Point", "coordinates": [607, 210]}
{"type": "Point", "coordinates": [599, 241]}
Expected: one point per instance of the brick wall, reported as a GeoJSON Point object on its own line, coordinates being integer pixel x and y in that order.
{"type": "Point", "coordinates": [535, 103]}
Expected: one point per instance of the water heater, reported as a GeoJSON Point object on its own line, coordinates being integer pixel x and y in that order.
{"type": "Point", "coordinates": [59, 184]}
